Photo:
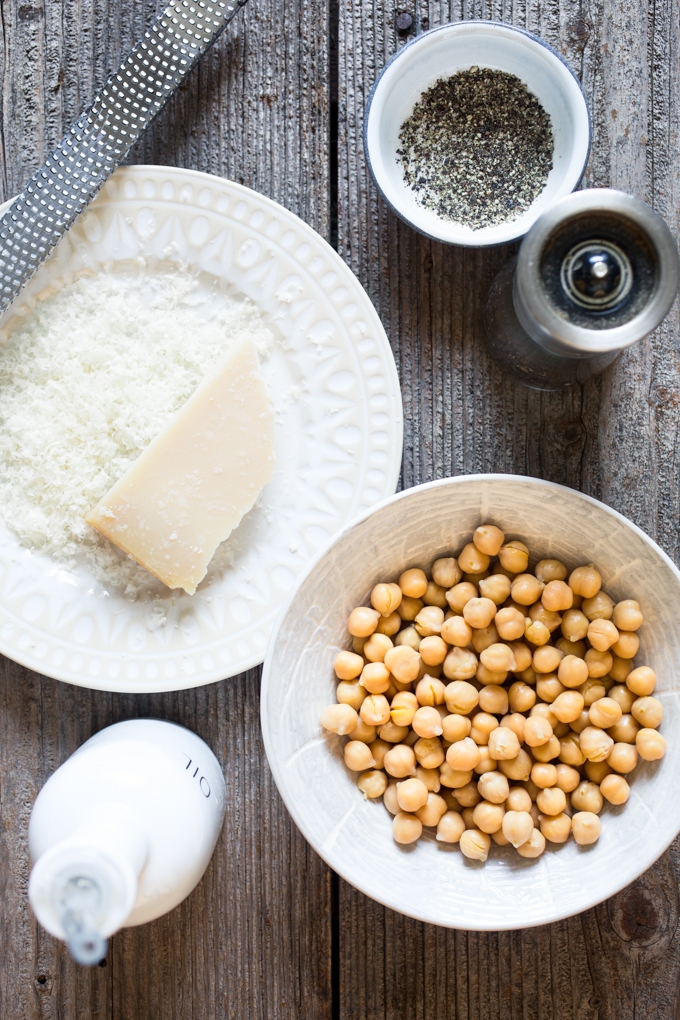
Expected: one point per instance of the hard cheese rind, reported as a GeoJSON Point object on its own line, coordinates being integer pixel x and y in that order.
{"type": "Point", "coordinates": [194, 482]}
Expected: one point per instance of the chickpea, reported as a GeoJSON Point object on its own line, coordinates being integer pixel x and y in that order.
{"type": "Point", "coordinates": [450, 827]}
{"type": "Point", "coordinates": [493, 699]}
{"type": "Point", "coordinates": [413, 582]}
{"type": "Point", "coordinates": [575, 625]}
{"type": "Point", "coordinates": [547, 751]}
{"type": "Point", "coordinates": [406, 828]}
{"type": "Point", "coordinates": [518, 769]}
{"type": "Point", "coordinates": [472, 561]}
{"type": "Point", "coordinates": [393, 734]}
{"type": "Point", "coordinates": [592, 690]}
{"type": "Point", "coordinates": [461, 697]}
{"type": "Point", "coordinates": [515, 722]}
{"type": "Point", "coordinates": [648, 712]}
{"type": "Point", "coordinates": [388, 625]}
{"type": "Point", "coordinates": [379, 749]}
{"type": "Point", "coordinates": [625, 730]}
{"type": "Point", "coordinates": [430, 777]}
{"type": "Point", "coordinates": [523, 657]}
{"type": "Point", "coordinates": [358, 756]}
{"type": "Point", "coordinates": [587, 797]}
{"type": "Point", "coordinates": [537, 731]}
{"type": "Point", "coordinates": [598, 663]}
{"type": "Point", "coordinates": [536, 632]}
{"type": "Point", "coordinates": [596, 771]}
{"type": "Point", "coordinates": [494, 787]}
{"type": "Point", "coordinates": [488, 539]}
{"type": "Point", "coordinates": [429, 752]}
{"type": "Point", "coordinates": [602, 634]}
{"type": "Point", "coordinates": [455, 779]}
{"type": "Point", "coordinates": [568, 706]}
{"type": "Point", "coordinates": [488, 817]}
{"type": "Point", "coordinates": [641, 681]}
{"type": "Point", "coordinates": [351, 693]}
{"type": "Point", "coordinates": [509, 623]}
{"type": "Point", "coordinates": [586, 827]}
{"type": "Point", "coordinates": [489, 676]}
{"type": "Point", "coordinates": [446, 572]}
{"type": "Point", "coordinates": [427, 722]}
{"type": "Point", "coordinates": [570, 750]}
{"type": "Point", "coordinates": [479, 612]}
{"type": "Point", "coordinates": [518, 799]}
{"type": "Point", "coordinates": [555, 828]}
{"type": "Point", "coordinates": [615, 789]}
{"type": "Point", "coordinates": [404, 707]}
{"type": "Point", "coordinates": [495, 587]}
{"type": "Point", "coordinates": [650, 745]}
{"type": "Point", "coordinates": [621, 668]}
{"type": "Point", "coordinates": [348, 665]}
{"type": "Point", "coordinates": [403, 663]}
{"type": "Point", "coordinates": [627, 615]}
{"type": "Point", "coordinates": [375, 710]}
{"type": "Point", "coordinates": [526, 589]}
{"type": "Point", "coordinates": [435, 595]}
{"type": "Point", "coordinates": [460, 664]}
{"type": "Point", "coordinates": [486, 762]}
{"type": "Point", "coordinates": [362, 621]}
{"type": "Point", "coordinates": [339, 719]}
{"type": "Point", "coordinates": [567, 777]}
{"type": "Point", "coordinates": [595, 743]}
{"type": "Point", "coordinates": [585, 581]}
{"type": "Point", "coordinates": [624, 757]}
{"type": "Point", "coordinates": [482, 725]}
{"type": "Point", "coordinates": [517, 827]}
{"type": "Point", "coordinates": [605, 713]}
{"type": "Point", "coordinates": [375, 677]}
{"type": "Point", "coordinates": [411, 795]}
{"type": "Point", "coordinates": [467, 795]}
{"type": "Point", "coordinates": [455, 631]}
{"type": "Point", "coordinates": [466, 815]}
{"type": "Point", "coordinates": [551, 801]}
{"type": "Point", "coordinates": [577, 648]}
{"type": "Point", "coordinates": [514, 556]}
{"type": "Point", "coordinates": [539, 614]}
{"type": "Point", "coordinates": [409, 608]}
{"type": "Point", "coordinates": [623, 696]}
{"type": "Point", "coordinates": [548, 687]}
{"type": "Point", "coordinates": [430, 691]}
{"type": "Point", "coordinates": [550, 570]}
{"type": "Point", "coordinates": [390, 797]}
{"type": "Point", "coordinates": [463, 755]}
{"type": "Point", "coordinates": [409, 637]}
{"type": "Point", "coordinates": [459, 596]}
{"type": "Point", "coordinates": [429, 621]}
{"type": "Point", "coordinates": [499, 839]}
{"type": "Point", "coordinates": [386, 598]}
{"type": "Point", "coordinates": [503, 744]}
{"type": "Point", "coordinates": [433, 808]}
{"type": "Point", "coordinates": [376, 647]}
{"type": "Point", "coordinates": [544, 775]}
{"type": "Point", "coordinates": [400, 761]}
{"type": "Point", "coordinates": [560, 729]}
{"type": "Point", "coordinates": [521, 697]}
{"type": "Point", "coordinates": [557, 596]}
{"type": "Point", "coordinates": [484, 637]}
{"type": "Point", "coordinates": [534, 846]}
{"type": "Point", "coordinates": [599, 607]}
{"type": "Point", "coordinates": [363, 732]}
{"type": "Point", "coordinates": [627, 645]}
{"type": "Point", "coordinates": [372, 784]}
{"type": "Point", "coordinates": [455, 727]}
{"type": "Point", "coordinates": [547, 659]}
{"type": "Point", "coordinates": [498, 657]}
{"type": "Point", "coordinates": [475, 844]}
{"type": "Point", "coordinates": [545, 712]}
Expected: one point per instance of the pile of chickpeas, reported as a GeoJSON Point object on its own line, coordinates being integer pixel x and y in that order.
{"type": "Point", "coordinates": [486, 702]}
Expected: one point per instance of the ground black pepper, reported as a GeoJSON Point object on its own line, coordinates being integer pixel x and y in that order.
{"type": "Point", "coordinates": [477, 148]}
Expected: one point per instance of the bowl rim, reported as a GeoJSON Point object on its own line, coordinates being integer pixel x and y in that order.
{"type": "Point", "coordinates": [266, 675]}
{"type": "Point", "coordinates": [456, 26]}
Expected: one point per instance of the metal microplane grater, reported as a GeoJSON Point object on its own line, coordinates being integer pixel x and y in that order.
{"type": "Point", "coordinates": [103, 135]}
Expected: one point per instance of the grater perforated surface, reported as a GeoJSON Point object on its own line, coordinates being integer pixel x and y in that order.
{"type": "Point", "coordinates": [103, 135]}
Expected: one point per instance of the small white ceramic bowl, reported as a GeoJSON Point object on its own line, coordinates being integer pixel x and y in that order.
{"type": "Point", "coordinates": [442, 52]}
{"type": "Point", "coordinates": [430, 880]}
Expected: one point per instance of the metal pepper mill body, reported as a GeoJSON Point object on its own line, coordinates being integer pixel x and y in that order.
{"type": "Point", "coordinates": [597, 272]}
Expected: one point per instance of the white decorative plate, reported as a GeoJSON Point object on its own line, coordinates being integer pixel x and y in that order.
{"type": "Point", "coordinates": [338, 408]}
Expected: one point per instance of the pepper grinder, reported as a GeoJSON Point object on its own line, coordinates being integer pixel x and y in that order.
{"type": "Point", "coordinates": [597, 272]}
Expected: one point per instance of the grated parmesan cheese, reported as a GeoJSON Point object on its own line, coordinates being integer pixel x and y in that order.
{"type": "Point", "coordinates": [86, 382]}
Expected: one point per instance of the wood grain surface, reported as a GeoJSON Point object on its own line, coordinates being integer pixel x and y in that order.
{"type": "Point", "coordinates": [269, 933]}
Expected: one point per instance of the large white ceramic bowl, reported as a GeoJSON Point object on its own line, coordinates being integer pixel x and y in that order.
{"type": "Point", "coordinates": [430, 880]}
{"type": "Point", "coordinates": [442, 52]}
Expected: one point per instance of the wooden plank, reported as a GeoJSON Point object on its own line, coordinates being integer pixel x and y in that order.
{"type": "Point", "coordinates": [614, 438]}
{"type": "Point", "coordinates": [254, 939]}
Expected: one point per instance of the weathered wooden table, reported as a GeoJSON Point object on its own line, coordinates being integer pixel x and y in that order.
{"type": "Point", "coordinates": [278, 105]}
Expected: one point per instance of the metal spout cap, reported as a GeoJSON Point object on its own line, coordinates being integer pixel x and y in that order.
{"type": "Point", "coordinates": [598, 271]}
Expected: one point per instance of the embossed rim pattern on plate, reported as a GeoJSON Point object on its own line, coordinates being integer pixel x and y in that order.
{"type": "Point", "coordinates": [315, 277]}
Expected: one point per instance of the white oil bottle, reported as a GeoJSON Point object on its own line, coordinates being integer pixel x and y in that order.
{"type": "Point", "coordinates": [123, 831]}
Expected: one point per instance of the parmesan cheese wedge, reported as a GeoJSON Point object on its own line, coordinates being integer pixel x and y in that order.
{"type": "Point", "coordinates": [194, 482]}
